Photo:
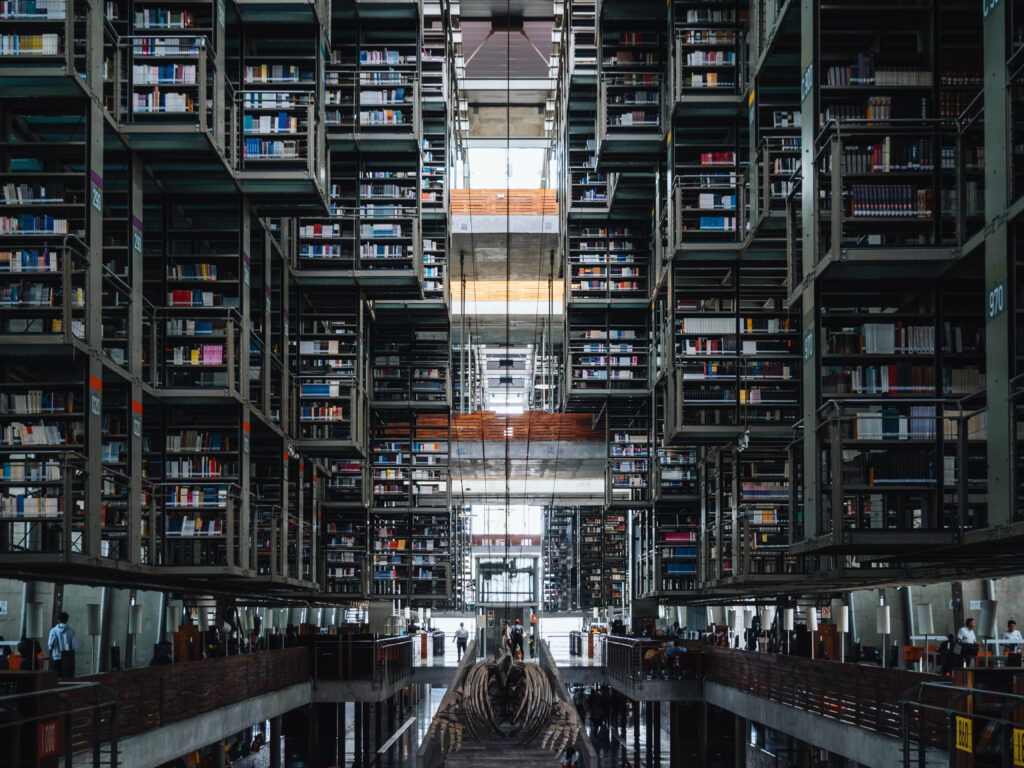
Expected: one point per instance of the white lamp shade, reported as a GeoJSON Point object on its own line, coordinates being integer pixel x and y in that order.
{"type": "Point", "coordinates": [882, 620]}
{"type": "Point", "coordinates": [428, 614]}
{"type": "Point", "coordinates": [203, 618]}
{"type": "Point", "coordinates": [408, 613]}
{"type": "Point", "coordinates": [843, 619]}
{"type": "Point", "coordinates": [596, 614]}
{"type": "Point", "coordinates": [748, 619]}
{"type": "Point", "coordinates": [92, 619]}
{"type": "Point", "coordinates": [987, 620]}
{"type": "Point", "coordinates": [767, 617]}
{"type": "Point", "coordinates": [268, 619]}
{"type": "Point", "coordinates": [717, 615]}
{"type": "Point", "coordinates": [925, 620]}
{"type": "Point", "coordinates": [731, 617]}
{"type": "Point", "coordinates": [282, 618]}
{"type": "Point", "coordinates": [173, 618]}
{"type": "Point", "coordinates": [419, 615]}
{"type": "Point", "coordinates": [135, 620]}
{"type": "Point", "coordinates": [34, 620]}
{"type": "Point", "coordinates": [250, 619]}
{"type": "Point", "coordinates": [812, 619]}
{"type": "Point", "coordinates": [787, 619]}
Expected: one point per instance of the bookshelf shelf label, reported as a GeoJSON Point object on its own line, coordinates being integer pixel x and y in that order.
{"type": "Point", "coordinates": [995, 299]}
{"type": "Point", "coordinates": [807, 81]}
{"type": "Point", "coordinates": [808, 344]}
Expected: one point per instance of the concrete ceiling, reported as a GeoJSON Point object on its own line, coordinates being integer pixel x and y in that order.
{"type": "Point", "coordinates": [493, 52]}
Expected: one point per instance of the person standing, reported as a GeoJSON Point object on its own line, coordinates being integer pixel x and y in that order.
{"type": "Point", "coordinates": [1013, 634]}
{"type": "Point", "coordinates": [62, 644]}
{"type": "Point", "coordinates": [516, 639]}
{"type": "Point", "coordinates": [461, 638]}
{"type": "Point", "coordinates": [968, 642]}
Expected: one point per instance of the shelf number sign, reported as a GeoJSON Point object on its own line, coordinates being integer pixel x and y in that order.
{"type": "Point", "coordinates": [987, 6]}
{"type": "Point", "coordinates": [220, 13]}
{"type": "Point", "coordinates": [808, 344]}
{"type": "Point", "coordinates": [964, 742]}
{"type": "Point", "coordinates": [1018, 747]}
{"type": "Point", "coordinates": [97, 198]}
{"type": "Point", "coordinates": [995, 299]}
{"type": "Point", "coordinates": [807, 81]}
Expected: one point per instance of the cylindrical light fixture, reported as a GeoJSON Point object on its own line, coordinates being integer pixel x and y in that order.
{"type": "Point", "coordinates": [203, 618]}
{"type": "Point", "coordinates": [135, 620]}
{"type": "Point", "coordinates": [731, 618]}
{"type": "Point", "coordinates": [428, 614]}
{"type": "Point", "coordinates": [92, 619]}
{"type": "Point", "coordinates": [596, 614]}
{"type": "Point", "coordinates": [925, 620]}
{"type": "Point", "coordinates": [987, 619]}
{"type": "Point", "coordinates": [812, 619]}
{"type": "Point", "coordinates": [419, 616]}
{"type": "Point", "coordinates": [767, 616]}
{"type": "Point", "coordinates": [843, 619]}
{"type": "Point", "coordinates": [173, 618]}
{"type": "Point", "coordinates": [268, 619]}
{"type": "Point", "coordinates": [748, 619]}
{"type": "Point", "coordinates": [34, 620]}
{"type": "Point", "coordinates": [787, 619]}
{"type": "Point", "coordinates": [408, 613]}
{"type": "Point", "coordinates": [882, 625]}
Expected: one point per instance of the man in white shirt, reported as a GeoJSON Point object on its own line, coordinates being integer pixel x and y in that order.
{"type": "Point", "coordinates": [1012, 633]}
{"type": "Point", "coordinates": [968, 642]}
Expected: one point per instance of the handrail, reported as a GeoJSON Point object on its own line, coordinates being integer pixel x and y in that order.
{"type": "Point", "coordinates": [588, 755]}
{"type": "Point", "coordinates": [430, 753]}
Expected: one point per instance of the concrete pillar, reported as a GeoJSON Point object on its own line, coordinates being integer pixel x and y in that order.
{"type": "Point", "coordinates": [357, 748]}
{"type": "Point", "coordinates": [702, 734]}
{"type": "Point", "coordinates": [741, 739]}
{"type": "Point", "coordinates": [342, 733]}
{"type": "Point", "coordinates": [326, 722]}
{"type": "Point", "coordinates": [275, 742]}
{"type": "Point", "coordinates": [649, 722]}
{"type": "Point", "coordinates": [674, 756]}
{"type": "Point", "coordinates": [656, 717]}
{"type": "Point", "coordinates": [367, 748]}
{"type": "Point", "coordinates": [378, 722]}
{"type": "Point", "coordinates": [217, 750]}
{"type": "Point", "coordinates": [636, 733]}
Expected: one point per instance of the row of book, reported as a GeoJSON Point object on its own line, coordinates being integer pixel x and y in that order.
{"type": "Point", "coordinates": [27, 223]}
{"type": "Point", "coordinates": [710, 80]}
{"type": "Point", "coordinates": [39, 401]}
{"type": "Point", "coordinates": [262, 149]}
{"type": "Point", "coordinates": [373, 98]}
{"type": "Point", "coordinates": [282, 122]}
{"type": "Point", "coordinates": [269, 100]}
{"type": "Point", "coordinates": [24, 294]}
{"type": "Point", "coordinates": [48, 44]}
{"type": "Point", "coordinates": [890, 201]}
{"type": "Point", "coordinates": [33, 9]}
{"type": "Point", "coordinates": [384, 56]}
{"type": "Point", "coordinates": [175, 525]}
{"type": "Point", "coordinates": [167, 74]}
{"type": "Point", "coordinates": [198, 441]}
{"type": "Point", "coordinates": [190, 271]}
{"type": "Point", "coordinates": [14, 194]}
{"type": "Point", "coordinates": [205, 467]}
{"type": "Point", "coordinates": [198, 298]}
{"type": "Point", "coordinates": [17, 433]}
{"type": "Point", "coordinates": [918, 423]}
{"type": "Point", "coordinates": [164, 18]}
{"type": "Point", "coordinates": [617, 360]}
{"type": "Point", "coordinates": [321, 413]}
{"type": "Point", "coordinates": [584, 286]}
{"type": "Point", "coordinates": [189, 327]}
{"type": "Point", "coordinates": [194, 496]}
{"type": "Point", "coordinates": [23, 506]}
{"type": "Point", "coordinates": [171, 47]}
{"type": "Point", "coordinates": [41, 470]}
{"type": "Point", "coordinates": [894, 155]}
{"type": "Point", "coordinates": [383, 117]}
{"type": "Point", "coordinates": [205, 354]}
{"type": "Point", "coordinates": [635, 118]}
{"type": "Point", "coordinates": [276, 73]}
{"type": "Point", "coordinates": [883, 339]}
{"type": "Point", "coordinates": [156, 101]}
{"type": "Point", "coordinates": [878, 108]}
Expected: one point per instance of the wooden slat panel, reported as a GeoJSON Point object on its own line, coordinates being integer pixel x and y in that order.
{"type": "Point", "coordinates": [499, 202]}
{"type": "Point", "coordinates": [532, 425]}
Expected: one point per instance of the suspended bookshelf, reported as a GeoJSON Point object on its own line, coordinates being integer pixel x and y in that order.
{"type": "Point", "coordinates": [608, 263]}
{"type": "Point", "coordinates": [560, 558]}
{"type": "Point", "coordinates": [707, 35]}
{"type": "Point", "coordinates": [608, 350]}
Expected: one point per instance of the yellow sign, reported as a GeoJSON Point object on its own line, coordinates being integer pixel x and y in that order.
{"type": "Point", "coordinates": [963, 734]}
{"type": "Point", "coordinates": [1018, 747]}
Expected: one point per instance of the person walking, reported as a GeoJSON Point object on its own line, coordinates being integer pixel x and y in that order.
{"type": "Point", "coordinates": [62, 644]}
{"type": "Point", "coordinates": [461, 638]}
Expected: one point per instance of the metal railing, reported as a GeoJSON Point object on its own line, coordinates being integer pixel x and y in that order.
{"type": "Point", "coordinates": [587, 754]}
{"type": "Point", "coordinates": [73, 724]}
{"type": "Point", "coordinates": [430, 753]}
{"type": "Point", "coordinates": [630, 659]}
{"type": "Point", "coordinates": [382, 661]}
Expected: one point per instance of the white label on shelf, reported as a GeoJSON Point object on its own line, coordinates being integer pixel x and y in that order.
{"type": "Point", "coordinates": [807, 81]}
{"type": "Point", "coordinates": [995, 299]}
{"type": "Point", "coordinates": [987, 6]}
{"type": "Point", "coordinates": [808, 344]}
{"type": "Point", "coordinates": [97, 198]}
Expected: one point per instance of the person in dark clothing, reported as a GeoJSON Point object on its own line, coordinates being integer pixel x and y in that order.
{"type": "Point", "coordinates": [29, 650]}
{"type": "Point", "coordinates": [161, 654]}
{"type": "Point", "coordinates": [949, 659]}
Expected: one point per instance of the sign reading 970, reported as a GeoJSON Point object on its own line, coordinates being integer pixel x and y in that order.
{"type": "Point", "coordinates": [987, 6]}
{"type": "Point", "coordinates": [995, 299]}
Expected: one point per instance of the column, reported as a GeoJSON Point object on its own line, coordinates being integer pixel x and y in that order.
{"type": "Point", "coordinates": [649, 722]}
{"type": "Point", "coordinates": [275, 742]}
{"type": "Point", "coordinates": [357, 748]}
{"type": "Point", "coordinates": [741, 739]}
{"type": "Point", "coordinates": [326, 722]}
{"type": "Point", "coordinates": [656, 717]}
{"type": "Point", "coordinates": [341, 733]}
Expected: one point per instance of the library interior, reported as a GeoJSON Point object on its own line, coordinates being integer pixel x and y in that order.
{"type": "Point", "coordinates": [601, 383]}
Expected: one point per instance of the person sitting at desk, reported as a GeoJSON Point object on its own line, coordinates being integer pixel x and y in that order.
{"type": "Point", "coordinates": [1012, 633]}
